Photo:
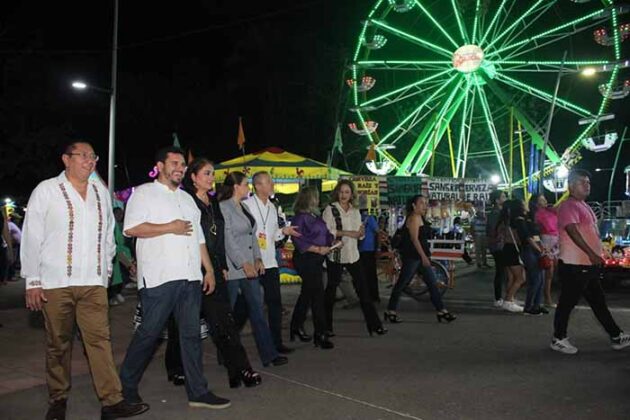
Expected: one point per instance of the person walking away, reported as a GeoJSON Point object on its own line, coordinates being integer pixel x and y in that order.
{"type": "Point", "coordinates": [495, 245]}
{"type": "Point", "coordinates": [67, 251]}
{"type": "Point", "coordinates": [416, 258]}
{"type": "Point", "coordinates": [267, 233]}
{"type": "Point", "coordinates": [511, 254]}
{"type": "Point", "coordinates": [170, 250]}
{"type": "Point", "coordinates": [580, 266]}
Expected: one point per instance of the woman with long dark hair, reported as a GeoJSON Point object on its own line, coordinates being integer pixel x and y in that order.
{"type": "Point", "coordinates": [344, 222]}
{"type": "Point", "coordinates": [216, 309]}
{"type": "Point", "coordinates": [416, 257]}
{"type": "Point", "coordinates": [244, 262]}
{"type": "Point", "coordinates": [495, 245]}
{"type": "Point", "coordinates": [310, 250]}
{"type": "Point", "coordinates": [511, 252]}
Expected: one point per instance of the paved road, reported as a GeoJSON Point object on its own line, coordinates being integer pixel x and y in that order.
{"type": "Point", "coordinates": [486, 365]}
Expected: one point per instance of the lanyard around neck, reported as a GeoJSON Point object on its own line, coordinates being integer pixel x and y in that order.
{"type": "Point", "coordinates": [265, 217]}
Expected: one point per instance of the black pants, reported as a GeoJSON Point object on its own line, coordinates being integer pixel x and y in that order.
{"type": "Point", "coordinates": [368, 262]}
{"type": "Point", "coordinates": [358, 280]}
{"type": "Point", "coordinates": [499, 274]}
{"type": "Point", "coordinates": [225, 336]}
{"type": "Point", "coordinates": [310, 269]}
{"type": "Point", "coordinates": [577, 281]}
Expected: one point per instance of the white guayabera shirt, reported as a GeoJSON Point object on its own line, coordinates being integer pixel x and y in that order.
{"type": "Point", "coordinates": [167, 257]}
{"type": "Point", "coordinates": [66, 240]}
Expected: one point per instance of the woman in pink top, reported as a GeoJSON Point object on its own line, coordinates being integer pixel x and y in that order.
{"type": "Point", "coordinates": [547, 220]}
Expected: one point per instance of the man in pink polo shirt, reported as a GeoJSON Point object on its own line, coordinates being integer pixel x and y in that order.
{"type": "Point", "coordinates": [581, 266]}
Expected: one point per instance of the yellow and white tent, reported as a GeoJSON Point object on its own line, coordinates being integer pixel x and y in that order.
{"type": "Point", "coordinates": [288, 170]}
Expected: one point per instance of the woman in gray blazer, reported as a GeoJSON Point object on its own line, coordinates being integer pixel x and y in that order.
{"type": "Point", "coordinates": [245, 263]}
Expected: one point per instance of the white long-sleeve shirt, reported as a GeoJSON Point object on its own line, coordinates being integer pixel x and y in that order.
{"type": "Point", "coordinates": [350, 221]}
{"type": "Point", "coordinates": [267, 229]}
{"type": "Point", "coordinates": [67, 241]}
{"type": "Point", "coordinates": [166, 257]}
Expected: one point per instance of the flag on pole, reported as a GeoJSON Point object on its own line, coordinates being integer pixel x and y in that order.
{"type": "Point", "coordinates": [241, 135]}
{"type": "Point", "coordinates": [338, 144]}
{"type": "Point", "coordinates": [371, 154]}
{"type": "Point", "coordinates": [176, 141]}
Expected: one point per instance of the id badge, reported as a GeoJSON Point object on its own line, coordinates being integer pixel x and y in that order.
{"type": "Point", "coordinates": [262, 240]}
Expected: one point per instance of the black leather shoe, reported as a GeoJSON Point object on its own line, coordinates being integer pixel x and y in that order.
{"type": "Point", "coordinates": [177, 379]}
{"type": "Point", "coordinates": [282, 349]}
{"type": "Point", "coordinates": [57, 410]}
{"type": "Point", "coordinates": [132, 396]}
{"type": "Point", "coordinates": [322, 341]}
{"type": "Point", "coordinates": [301, 334]}
{"type": "Point", "coordinates": [278, 361]}
{"type": "Point", "coordinates": [122, 409]}
{"type": "Point", "coordinates": [247, 377]}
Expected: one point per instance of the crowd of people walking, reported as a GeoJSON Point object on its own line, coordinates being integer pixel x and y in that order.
{"type": "Point", "coordinates": [205, 261]}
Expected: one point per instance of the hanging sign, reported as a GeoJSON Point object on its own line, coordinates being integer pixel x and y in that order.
{"type": "Point", "coordinates": [367, 192]}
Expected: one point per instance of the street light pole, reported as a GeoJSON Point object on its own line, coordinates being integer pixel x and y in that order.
{"type": "Point", "coordinates": [111, 156]}
{"type": "Point", "coordinates": [541, 166]}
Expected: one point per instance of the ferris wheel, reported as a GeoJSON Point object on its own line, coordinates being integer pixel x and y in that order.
{"type": "Point", "coordinates": [448, 87]}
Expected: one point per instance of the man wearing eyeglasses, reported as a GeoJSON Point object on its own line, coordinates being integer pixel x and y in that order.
{"type": "Point", "coordinates": [66, 253]}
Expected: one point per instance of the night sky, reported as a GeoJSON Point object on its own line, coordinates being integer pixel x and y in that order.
{"type": "Point", "coordinates": [191, 67]}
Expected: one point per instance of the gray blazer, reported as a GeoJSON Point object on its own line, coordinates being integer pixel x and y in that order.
{"type": "Point", "coordinates": [241, 244]}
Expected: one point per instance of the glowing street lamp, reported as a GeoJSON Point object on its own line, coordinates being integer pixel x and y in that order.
{"type": "Point", "coordinates": [495, 179]}
{"type": "Point", "coordinates": [589, 72]}
{"type": "Point", "coordinates": [79, 85]}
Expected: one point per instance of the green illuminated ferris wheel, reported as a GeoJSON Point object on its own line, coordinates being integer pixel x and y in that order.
{"type": "Point", "coordinates": [449, 86]}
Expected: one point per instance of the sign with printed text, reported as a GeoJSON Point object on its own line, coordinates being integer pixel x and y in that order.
{"type": "Point", "coordinates": [402, 188]}
{"type": "Point", "coordinates": [367, 192]}
{"type": "Point", "coordinates": [465, 189]}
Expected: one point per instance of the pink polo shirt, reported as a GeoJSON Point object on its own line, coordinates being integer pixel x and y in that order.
{"type": "Point", "coordinates": [577, 212]}
{"type": "Point", "coordinates": [547, 219]}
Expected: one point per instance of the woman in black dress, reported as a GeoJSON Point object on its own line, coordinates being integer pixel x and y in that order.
{"type": "Point", "coordinates": [216, 307]}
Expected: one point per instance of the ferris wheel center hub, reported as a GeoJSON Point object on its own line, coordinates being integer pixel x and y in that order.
{"type": "Point", "coordinates": [468, 58]}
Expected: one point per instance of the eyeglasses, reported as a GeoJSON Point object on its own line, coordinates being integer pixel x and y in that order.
{"type": "Point", "coordinates": [85, 156]}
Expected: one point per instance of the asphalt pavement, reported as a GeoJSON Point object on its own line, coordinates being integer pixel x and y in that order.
{"type": "Point", "coordinates": [488, 364]}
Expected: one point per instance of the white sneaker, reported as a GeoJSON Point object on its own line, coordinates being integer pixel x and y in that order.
{"type": "Point", "coordinates": [131, 285]}
{"type": "Point", "coordinates": [120, 298]}
{"type": "Point", "coordinates": [621, 342]}
{"type": "Point", "coordinates": [114, 302]}
{"type": "Point", "coordinates": [563, 346]}
{"type": "Point", "coordinates": [512, 306]}
{"type": "Point", "coordinates": [498, 303]}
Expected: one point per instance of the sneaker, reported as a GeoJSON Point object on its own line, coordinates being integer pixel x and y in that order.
{"type": "Point", "coordinates": [563, 346]}
{"type": "Point", "coordinates": [543, 310]}
{"type": "Point", "coordinates": [620, 342]}
{"type": "Point", "coordinates": [114, 302]}
{"type": "Point", "coordinates": [498, 303]}
{"type": "Point", "coordinates": [131, 285]}
{"type": "Point", "coordinates": [57, 410]}
{"type": "Point", "coordinates": [123, 409]}
{"type": "Point", "coordinates": [120, 298]}
{"type": "Point", "coordinates": [209, 400]}
{"type": "Point", "coordinates": [551, 305]}
{"type": "Point", "coordinates": [512, 306]}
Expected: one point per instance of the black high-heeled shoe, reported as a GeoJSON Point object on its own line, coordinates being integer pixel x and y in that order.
{"type": "Point", "coordinates": [301, 334]}
{"type": "Point", "coordinates": [446, 316]}
{"type": "Point", "coordinates": [379, 330]}
{"type": "Point", "coordinates": [177, 379]}
{"type": "Point", "coordinates": [247, 377]}
{"type": "Point", "coordinates": [392, 317]}
{"type": "Point", "coordinates": [322, 341]}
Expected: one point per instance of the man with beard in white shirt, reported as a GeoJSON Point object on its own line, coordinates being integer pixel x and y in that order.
{"type": "Point", "coordinates": [170, 251]}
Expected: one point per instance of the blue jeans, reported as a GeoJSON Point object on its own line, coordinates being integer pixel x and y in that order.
{"type": "Point", "coordinates": [183, 299]}
{"type": "Point", "coordinates": [250, 288]}
{"type": "Point", "coordinates": [408, 270]}
{"type": "Point", "coordinates": [535, 278]}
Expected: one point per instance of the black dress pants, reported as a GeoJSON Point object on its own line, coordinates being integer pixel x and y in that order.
{"type": "Point", "coordinates": [368, 262]}
{"type": "Point", "coordinates": [310, 269]}
{"type": "Point", "coordinates": [372, 320]}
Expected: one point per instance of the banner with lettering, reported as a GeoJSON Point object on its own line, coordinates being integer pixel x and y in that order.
{"type": "Point", "coordinates": [465, 189]}
{"type": "Point", "coordinates": [402, 188]}
{"type": "Point", "coordinates": [367, 193]}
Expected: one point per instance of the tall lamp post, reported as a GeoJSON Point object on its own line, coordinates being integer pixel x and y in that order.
{"type": "Point", "coordinates": [111, 150]}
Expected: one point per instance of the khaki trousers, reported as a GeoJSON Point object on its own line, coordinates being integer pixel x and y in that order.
{"type": "Point", "coordinates": [87, 305]}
